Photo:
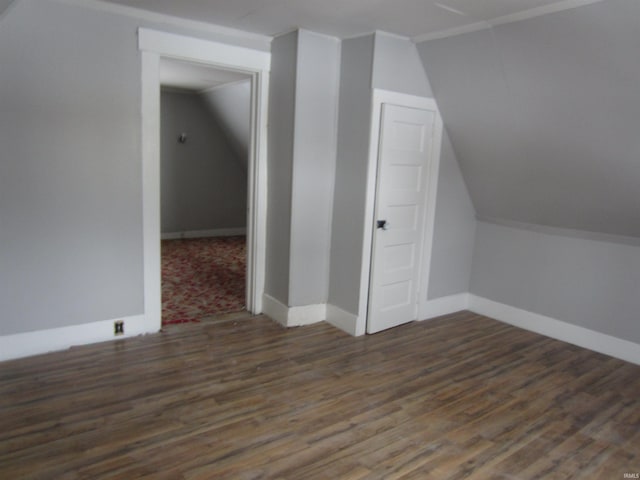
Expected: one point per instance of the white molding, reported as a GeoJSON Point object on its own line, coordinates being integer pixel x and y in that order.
{"type": "Point", "coordinates": [275, 309]}
{"type": "Point", "coordinates": [216, 232]}
{"type": "Point", "coordinates": [231, 57]}
{"type": "Point", "coordinates": [452, 32]}
{"type": "Point", "coordinates": [542, 10]}
{"type": "Point", "coordinates": [155, 45]}
{"type": "Point", "coordinates": [307, 314]}
{"type": "Point", "coordinates": [443, 306]}
{"type": "Point", "coordinates": [379, 97]}
{"type": "Point", "coordinates": [43, 341]}
{"type": "Point", "coordinates": [514, 17]}
{"type": "Point", "coordinates": [151, 187]}
{"type": "Point", "coordinates": [345, 321]}
{"type": "Point", "coordinates": [250, 39]}
{"type": "Point", "coordinates": [293, 316]}
{"type": "Point", "coordinates": [557, 329]}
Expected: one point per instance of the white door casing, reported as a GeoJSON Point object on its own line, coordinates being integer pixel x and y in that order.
{"type": "Point", "coordinates": [155, 45]}
{"type": "Point", "coordinates": [404, 158]}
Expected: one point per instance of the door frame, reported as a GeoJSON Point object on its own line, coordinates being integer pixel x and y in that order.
{"type": "Point", "coordinates": [155, 45]}
{"type": "Point", "coordinates": [379, 97]}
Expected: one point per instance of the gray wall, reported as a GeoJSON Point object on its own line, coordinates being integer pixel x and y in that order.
{"type": "Point", "coordinates": [391, 63]}
{"type": "Point", "coordinates": [454, 229]}
{"type": "Point", "coordinates": [203, 184]}
{"type": "Point", "coordinates": [397, 66]}
{"type": "Point", "coordinates": [4, 6]}
{"type": "Point", "coordinates": [351, 168]}
{"type": "Point", "coordinates": [70, 195]}
{"type": "Point", "coordinates": [543, 114]}
{"type": "Point", "coordinates": [590, 283]}
{"type": "Point", "coordinates": [70, 167]}
{"type": "Point", "coordinates": [314, 153]}
{"type": "Point", "coordinates": [280, 143]}
{"type": "Point", "coordinates": [231, 107]}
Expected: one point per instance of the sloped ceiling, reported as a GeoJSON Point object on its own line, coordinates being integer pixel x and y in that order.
{"type": "Point", "coordinates": [195, 77]}
{"type": "Point", "coordinates": [544, 116]}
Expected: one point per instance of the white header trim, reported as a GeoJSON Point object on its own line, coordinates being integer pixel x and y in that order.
{"type": "Point", "coordinates": [206, 51]}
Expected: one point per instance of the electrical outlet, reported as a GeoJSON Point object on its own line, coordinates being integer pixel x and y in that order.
{"type": "Point", "coordinates": [118, 327]}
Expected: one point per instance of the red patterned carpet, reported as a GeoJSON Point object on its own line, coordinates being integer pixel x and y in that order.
{"type": "Point", "coordinates": [202, 277]}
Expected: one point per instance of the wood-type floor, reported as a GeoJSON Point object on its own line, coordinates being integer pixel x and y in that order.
{"type": "Point", "coordinates": [457, 397]}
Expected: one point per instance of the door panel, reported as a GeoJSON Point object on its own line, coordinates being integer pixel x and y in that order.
{"type": "Point", "coordinates": [401, 193]}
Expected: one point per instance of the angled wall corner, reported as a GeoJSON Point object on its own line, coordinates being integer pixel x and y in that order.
{"type": "Point", "coordinates": [304, 100]}
{"type": "Point", "coordinates": [280, 144]}
{"type": "Point", "coordinates": [354, 120]}
{"type": "Point", "coordinates": [230, 106]}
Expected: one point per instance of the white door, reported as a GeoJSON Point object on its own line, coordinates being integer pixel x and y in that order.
{"type": "Point", "coordinates": [404, 157]}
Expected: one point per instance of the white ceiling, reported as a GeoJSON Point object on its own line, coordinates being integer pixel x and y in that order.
{"type": "Point", "coordinates": [191, 76]}
{"type": "Point", "coordinates": [348, 18]}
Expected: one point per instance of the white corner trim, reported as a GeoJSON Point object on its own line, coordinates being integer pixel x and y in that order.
{"type": "Point", "coordinates": [345, 321]}
{"type": "Point", "coordinates": [542, 10]}
{"type": "Point", "coordinates": [443, 306]}
{"type": "Point", "coordinates": [43, 341]}
{"type": "Point", "coordinates": [550, 327]}
{"type": "Point", "coordinates": [216, 232]}
{"type": "Point", "coordinates": [452, 32]}
{"type": "Point", "coordinates": [293, 316]}
{"type": "Point", "coordinates": [514, 17]}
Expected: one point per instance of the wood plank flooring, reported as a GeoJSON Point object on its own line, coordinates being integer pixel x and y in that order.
{"type": "Point", "coordinates": [462, 396]}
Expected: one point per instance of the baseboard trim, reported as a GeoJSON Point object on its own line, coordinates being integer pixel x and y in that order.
{"type": "Point", "coordinates": [275, 310]}
{"type": "Point", "coordinates": [550, 327]}
{"type": "Point", "coordinates": [293, 316]}
{"type": "Point", "coordinates": [26, 344]}
{"type": "Point", "coordinates": [216, 232]}
{"type": "Point", "coordinates": [443, 306]}
{"type": "Point", "coordinates": [307, 315]}
{"type": "Point", "coordinates": [345, 321]}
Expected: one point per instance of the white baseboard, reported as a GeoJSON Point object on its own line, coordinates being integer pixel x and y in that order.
{"type": "Point", "coordinates": [216, 232]}
{"type": "Point", "coordinates": [275, 310]}
{"type": "Point", "coordinates": [307, 314]}
{"type": "Point", "coordinates": [443, 306]}
{"type": "Point", "coordinates": [293, 316]}
{"type": "Point", "coordinates": [345, 321]}
{"type": "Point", "coordinates": [550, 327]}
{"type": "Point", "coordinates": [43, 341]}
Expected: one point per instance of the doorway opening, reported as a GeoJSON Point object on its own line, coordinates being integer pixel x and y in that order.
{"type": "Point", "coordinates": [204, 56]}
{"type": "Point", "coordinates": [204, 153]}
